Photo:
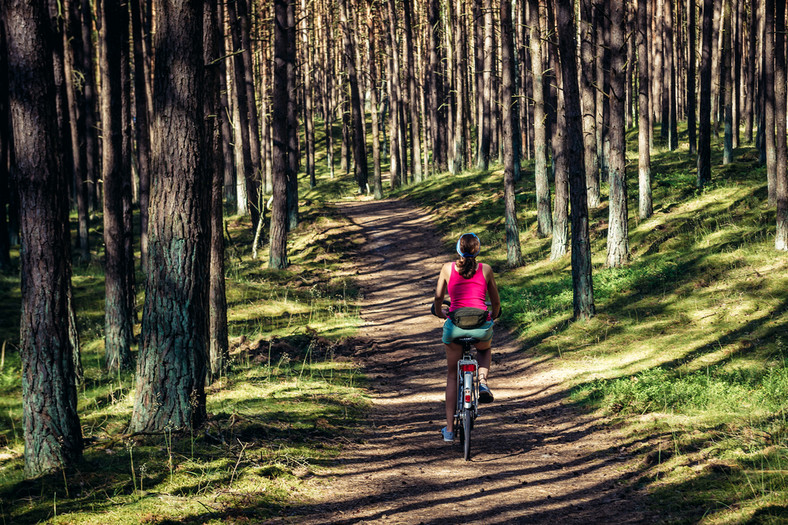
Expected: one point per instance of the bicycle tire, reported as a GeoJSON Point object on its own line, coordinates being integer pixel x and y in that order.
{"type": "Point", "coordinates": [466, 431]}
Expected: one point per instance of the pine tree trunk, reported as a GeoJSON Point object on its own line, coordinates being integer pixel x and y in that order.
{"type": "Point", "coordinates": [704, 113]}
{"type": "Point", "coordinates": [544, 216]}
{"type": "Point", "coordinates": [72, 47]}
{"type": "Point", "coordinates": [395, 170]}
{"type": "Point", "coordinates": [218, 348]}
{"type": "Point", "coordinates": [670, 72]}
{"type": "Point", "coordinates": [91, 138]}
{"type": "Point", "coordinates": [359, 130]}
{"type": "Point", "coordinates": [292, 122]}
{"type": "Point", "coordinates": [485, 126]}
{"type": "Point", "coordinates": [5, 146]}
{"type": "Point", "coordinates": [225, 117]}
{"type": "Point", "coordinates": [127, 170]}
{"type": "Point", "coordinates": [328, 90]}
{"type": "Point", "coordinates": [560, 240]}
{"type": "Point", "coordinates": [751, 96]}
{"type": "Point", "coordinates": [118, 317]}
{"type": "Point", "coordinates": [52, 433]}
{"type": "Point", "coordinates": [587, 90]}
{"type": "Point", "coordinates": [173, 355]}
{"type": "Point", "coordinates": [770, 103]}
{"type": "Point", "coordinates": [690, 88]}
{"type": "Point", "coordinates": [142, 126]}
{"type": "Point", "coordinates": [279, 98]}
{"type": "Point", "coordinates": [659, 66]}
{"type": "Point", "coordinates": [618, 229]}
{"type": "Point", "coordinates": [377, 182]}
{"type": "Point", "coordinates": [249, 167]}
{"type": "Point", "coordinates": [478, 67]}
{"type": "Point", "coordinates": [413, 95]}
{"type": "Point", "coordinates": [781, 153]}
{"type": "Point", "coordinates": [727, 76]}
{"type": "Point", "coordinates": [461, 94]}
{"type": "Point", "coordinates": [645, 206]}
{"type": "Point", "coordinates": [716, 67]}
{"type": "Point", "coordinates": [760, 138]}
{"type": "Point", "coordinates": [437, 96]}
{"type": "Point", "coordinates": [309, 123]}
{"type": "Point", "coordinates": [629, 113]}
{"type": "Point", "coordinates": [603, 89]}
{"type": "Point", "coordinates": [737, 74]}
{"type": "Point", "coordinates": [582, 283]}
{"type": "Point", "coordinates": [511, 132]}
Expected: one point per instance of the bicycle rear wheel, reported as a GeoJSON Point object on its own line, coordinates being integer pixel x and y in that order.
{"type": "Point", "coordinates": [467, 423]}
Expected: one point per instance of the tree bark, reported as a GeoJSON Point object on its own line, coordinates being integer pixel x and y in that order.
{"type": "Point", "coordinates": [462, 96]}
{"type": "Point", "coordinates": [251, 162]}
{"type": "Point", "coordinates": [751, 97]}
{"type": "Point", "coordinates": [359, 131]}
{"type": "Point", "coordinates": [142, 126]}
{"type": "Point", "coordinates": [118, 333]}
{"type": "Point", "coordinates": [280, 95]}
{"type": "Point", "coordinates": [91, 138]}
{"type": "Point", "coordinates": [377, 182]}
{"type": "Point", "coordinates": [5, 146]}
{"type": "Point", "coordinates": [560, 240]}
{"type": "Point", "coordinates": [485, 126]}
{"type": "Point", "coordinates": [309, 123]}
{"type": "Point", "coordinates": [582, 283]}
{"type": "Point", "coordinates": [704, 115]}
{"type": "Point", "coordinates": [670, 72]}
{"type": "Point", "coordinates": [437, 81]}
{"type": "Point", "coordinates": [511, 133]}
{"type": "Point", "coordinates": [72, 49]}
{"type": "Point", "coordinates": [225, 116]}
{"type": "Point", "coordinates": [690, 87]}
{"type": "Point", "coordinates": [618, 229]}
{"type": "Point", "coordinates": [292, 122]}
{"type": "Point", "coordinates": [645, 206]}
{"type": "Point", "coordinates": [544, 216]}
{"type": "Point", "coordinates": [171, 369]}
{"type": "Point", "coordinates": [413, 94]}
{"type": "Point", "coordinates": [660, 93]}
{"type": "Point", "coordinates": [727, 77]}
{"type": "Point", "coordinates": [218, 347]}
{"type": "Point", "coordinates": [52, 433]}
{"type": "Point", "coordinates": [588, 101]}
{"type": "Point", "coordinates": [395, 160]}
{"type": "Point", "coordinates": [781, 153]}
{"type": "Point", "coordinates": [769, 96]}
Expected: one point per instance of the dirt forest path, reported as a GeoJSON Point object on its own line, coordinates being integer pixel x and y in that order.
{"type": "Point", "coordinates": [534, 459]}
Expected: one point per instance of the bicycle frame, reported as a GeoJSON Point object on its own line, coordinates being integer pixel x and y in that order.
{"type": "Point", "coordinates": [467, 395]}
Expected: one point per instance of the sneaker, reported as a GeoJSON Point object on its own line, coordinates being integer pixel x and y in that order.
{"type": "Point", "coordinates": [485, 396]}
{"type": "Point", "coordinates": [447, 436]}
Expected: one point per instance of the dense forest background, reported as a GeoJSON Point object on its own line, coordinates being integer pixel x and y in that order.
{"type": "Point", "coordinates": [162, 130]}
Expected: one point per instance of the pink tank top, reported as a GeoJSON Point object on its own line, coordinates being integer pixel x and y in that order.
{"type": "Point", "coordinates": [467, 293]}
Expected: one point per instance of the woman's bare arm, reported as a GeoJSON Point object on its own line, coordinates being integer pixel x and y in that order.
{"type": "Point", "coordinates": [440, 292]}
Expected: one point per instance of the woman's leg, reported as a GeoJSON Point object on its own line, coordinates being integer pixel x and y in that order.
{"type": "Point", "coordinates": [484, 357]}
{"type": "Point", "coordinates": [453, 355]}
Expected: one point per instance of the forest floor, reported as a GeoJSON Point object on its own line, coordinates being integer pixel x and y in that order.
{"type": "Point", "coordinates": [535, 457]}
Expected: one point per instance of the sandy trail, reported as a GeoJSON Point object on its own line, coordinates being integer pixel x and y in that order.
{"type": "Point", "coordinates": [534, 459]}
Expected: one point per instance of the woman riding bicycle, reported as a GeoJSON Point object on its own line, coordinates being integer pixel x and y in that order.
{"type": "Point", "coordinates": [467, 283]}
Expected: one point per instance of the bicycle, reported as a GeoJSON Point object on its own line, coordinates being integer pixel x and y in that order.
{"type": "Point", "coordinates": [467, 407]}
